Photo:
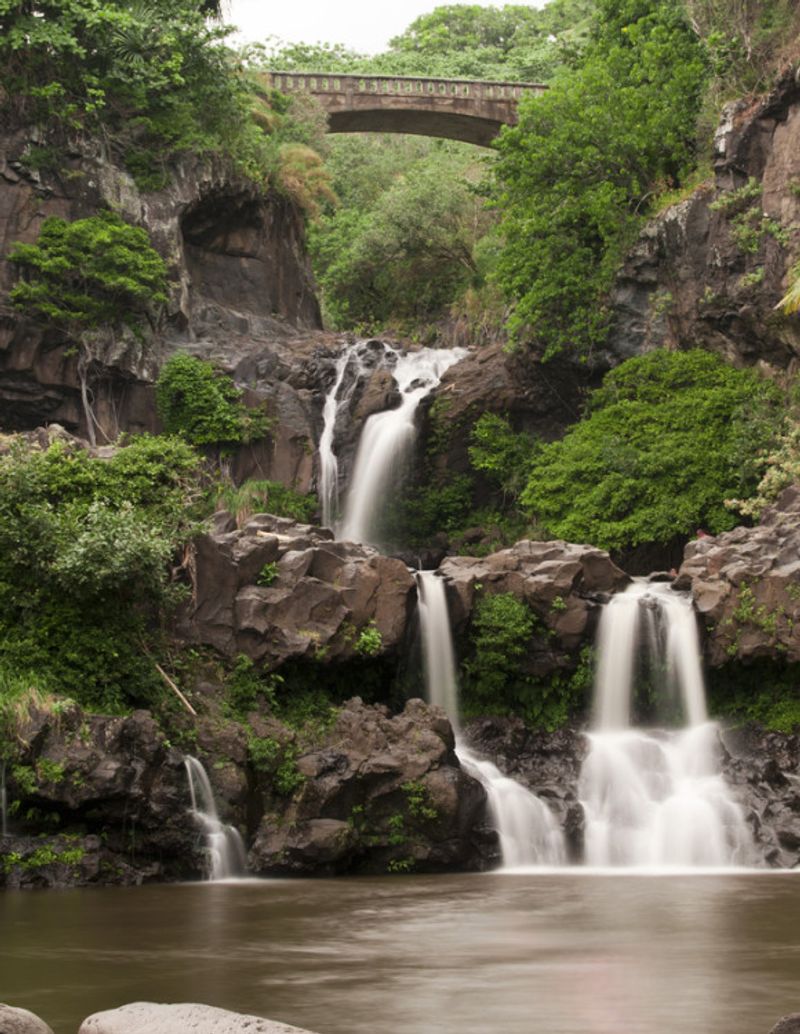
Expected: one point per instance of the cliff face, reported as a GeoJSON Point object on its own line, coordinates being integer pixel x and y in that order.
{"type": "Point", "coordinates": [710, 275]}
{"type": "Point", "coordinates": [238, 271]}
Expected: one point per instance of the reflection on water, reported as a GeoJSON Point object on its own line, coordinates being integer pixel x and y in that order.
{"type": "Point", "coordinates": [522, 954]}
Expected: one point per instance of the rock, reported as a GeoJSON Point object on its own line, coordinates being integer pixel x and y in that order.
{"type": "Point", "coordinates": [150, 1018]}
{"type": "Point", "coordinates": [744, 583]}
{"type": "Point", "coordinates": [787, 1025]}
{"type": "Point", "coordinates": [323, 596]}
{"type": "Point", "coordinates": [114, 786]}
{"type": "Point", "coordinates": [20, 1021]}
{"type": "Point", "coordinates": [688, 280]}
{"type": "Point", "coordinates": [379, 793]}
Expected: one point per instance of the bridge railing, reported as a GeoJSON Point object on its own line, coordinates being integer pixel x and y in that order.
{"type": "Point", "coordinates": [400, 85]}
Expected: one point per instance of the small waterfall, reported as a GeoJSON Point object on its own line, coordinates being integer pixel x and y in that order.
{"type": "Point", "coordinates": [528, 830]}
{"type": "Point", "coordinates": [656, 798]}
{"type": "Point", "coordinates": [386, 440]}
{"type": "Point", "coordinates": [328, 461]}
{"type": "Point", "coordinates": [224, 846]}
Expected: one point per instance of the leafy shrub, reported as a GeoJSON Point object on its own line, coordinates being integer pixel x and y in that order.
{"type": "Point", "coordinates": [203, 405]}
{"type": "Point", "coordinates": [84, 274]}
{"type": "Point", "coordinates": [669, 436]}
{"type": "Point", "coordinates": [369, 642]}
{"type": "Point", "coordinates": [502, 627]}
{"type": "Point", "coordinates": [85, 546]}
{"type": "Point", "coordinates": [247, 688]}
{"type": "Point", "coordinates": [266, 497]}
{"type": "Point", "coordinates": [500, 452]}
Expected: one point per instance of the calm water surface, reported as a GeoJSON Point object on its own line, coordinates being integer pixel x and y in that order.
{"type": "Point", "coordinates": [517, 954]}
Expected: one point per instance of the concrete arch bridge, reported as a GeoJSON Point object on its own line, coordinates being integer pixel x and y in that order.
{"type": "Point", "coordinates": [457, 109]}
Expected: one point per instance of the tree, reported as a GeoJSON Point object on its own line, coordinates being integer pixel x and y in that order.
{"type": "Point", "coordinates": [575, 174]}
{"type": "Point", "coordinates": [90, 275]}
{"type": "Point", "coordinates": [669, 437]}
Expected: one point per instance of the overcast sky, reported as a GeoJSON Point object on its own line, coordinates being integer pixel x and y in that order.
{"type": "Point", "coordinates": [363, 25]}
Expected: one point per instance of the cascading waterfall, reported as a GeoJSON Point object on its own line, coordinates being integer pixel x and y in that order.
{"type": "Point", "coordinates": [387, 438]}
{"type": "Point", "coordinates": [335, 400]}
{"type": "Point", "coordinates": [656, 798]}
{"type": "Point", "coordinates": [224, 845]}
{"type": "Point", "coordinates": [528, 830]}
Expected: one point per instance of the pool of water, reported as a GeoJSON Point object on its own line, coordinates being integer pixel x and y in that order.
{"type": "Point", "coordinates": [560, 953]}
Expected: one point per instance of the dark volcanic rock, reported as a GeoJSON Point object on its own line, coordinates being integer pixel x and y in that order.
{"type": "Point", "coordinates": [688, 279]}
{"type": "Point", "coordinates": [746, 586]}
{"type": "Point", "coordinates": [111, 783]}
{"type": "Point", "coordinates": [787, 1025]}
{"type": "Point", "coordinates": [380, 793]}
{"type": "Point", "coordinates": [324, 595]}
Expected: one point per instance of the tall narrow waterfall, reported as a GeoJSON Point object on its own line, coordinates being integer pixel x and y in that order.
{"type": "Point", "coordinates": [386, 440]}
{"type": "Point", "coordinates": [338, 396]}
{"type": "Point", "coordinates": [224, 846]}
{"type": "Point", "coordinates": [655, 798]}
{"type": "Point", "coordinates": [528, 830]}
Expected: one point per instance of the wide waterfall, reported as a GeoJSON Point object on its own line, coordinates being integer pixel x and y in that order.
{"type": "Point", "coordinates": [528, 831]}
{"type": "Point", "coordinates": [386, 440]}
{"type": "Point", "coordinates": [224, 845]}
{"type": "Point", "coordinates": [656, 798]}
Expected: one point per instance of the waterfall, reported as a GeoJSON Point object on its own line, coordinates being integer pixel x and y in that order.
{"type": "Point", "coordinates": [224, 846]}
{"type": "Point", "coordinates": [335, 400]}
{"type": "Point", "coordinates": [528, 831]}
{"type": "Point", "coordinates": [386, 440]}
{"type": "Point", "coordinates": [655, 798]}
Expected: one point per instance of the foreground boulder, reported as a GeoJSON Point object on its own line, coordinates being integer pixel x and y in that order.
{"type": "Point", "coordinates": [746, 586]}
{"type": "Point", "coordinates": [787, 1025]}
{"type": "Point", "coordinates": [379, 794]}
{"type": "Point", "coordinates": [275, 591]}
{"type": "Point", "coordinates": [20, 1021]}
{"type": "Point", "coordinates": [150, 1018]}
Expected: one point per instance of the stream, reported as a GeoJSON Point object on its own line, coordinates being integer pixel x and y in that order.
{"type": "Point", "coordinates": [553, 953]}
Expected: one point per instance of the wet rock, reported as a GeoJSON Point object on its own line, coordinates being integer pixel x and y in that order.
{"type": "Point", "coordinates": [745, 586]}
{"type": "Point", "coordinates": [379, 794]}
{"type": "Point", "coordinates": [322, 597]}
{"type": "Point", "coordinates": [20, 1021]}
{"type": "Point", "coordinates": [112, 788]}
{"type": "Point", "coordinates": [787, 1025]}
{"type": "Point", "coordinates": [150, 1018]}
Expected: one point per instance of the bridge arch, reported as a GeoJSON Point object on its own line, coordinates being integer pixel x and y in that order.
{"type": "Point", "coordinates": [470, 110]}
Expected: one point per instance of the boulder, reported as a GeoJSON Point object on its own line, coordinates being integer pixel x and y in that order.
{"type": "Point", "coordinates": [150, 1018]}
{"type": "Point", "coordinates": [20, 1021]}
{"type": "Point", "coordinates": [787, 1025]}
{"type": "Point", "coordinates": [323, 595]}
{"type": "Point", "coordinates": [379, 793]}
{"type": "Point", "coordinates": [746, 586]}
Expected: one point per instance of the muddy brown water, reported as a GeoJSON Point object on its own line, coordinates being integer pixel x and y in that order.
{"type": "Point", "coordinates": [564, 953]}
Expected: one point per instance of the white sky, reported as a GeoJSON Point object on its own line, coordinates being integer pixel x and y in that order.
{"type": "Point", "coordinates": [362, 25]}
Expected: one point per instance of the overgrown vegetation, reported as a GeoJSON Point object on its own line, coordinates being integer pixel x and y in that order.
{"type": "Point", "coordinates": [85, 553]}
{"type": "Point", "coordinates": [204, 406]}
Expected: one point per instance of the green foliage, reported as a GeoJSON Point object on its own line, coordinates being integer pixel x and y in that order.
{"type": "Point", "coordinates": [247, 688]}
{"type": "Point", "coordinates": [763, 692]}
{"type": "Point", "coordinates": [88, 273]}
{"type": "Point", "coordinates": [501, 453]}
{"type": "Point", "coordinates": [418, 801]}
{"type": "Point", "coordinates": [669, 436]}
{"type": "Point", "coordinates": [266, 497]}
{"type": "Point", "coordinates": [779, 467]}
{"type": "Point", "coordinates": [85, 546]}
{"type": "Point", "coordinates": [203, 405]}
{"type": "Point", "coordinates": [267, 574]}
{"type": "Point", "coordinates": [575, 173]}
{"type": "Point", "coordinates": [790, 303]}
{"type": "Point", "coordinates": [369, 642]}
{"type": "Point", "coordinates": [502, 627]}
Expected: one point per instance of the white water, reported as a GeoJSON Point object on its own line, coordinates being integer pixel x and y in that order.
{"type": "Point", "coordinates": [528, 831]}
{"type": "Point", "coordinates": [224, 845]}
{"type": "Point", "coordinates": [386, 440]}
{"type": "Point", "coordinates": [656, 798]}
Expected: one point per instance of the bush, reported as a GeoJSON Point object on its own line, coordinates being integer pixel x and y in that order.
{"type": "Point", "coordinates": [266, 497]}
{"type": "Point", "coordinates": [669, 436]}
{"type": "Point", "coordinates": [203, 405]}
{"type": "Point", "coordinates": [85, 546]}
